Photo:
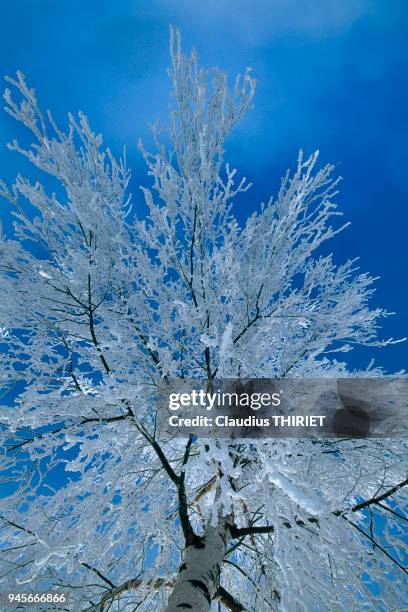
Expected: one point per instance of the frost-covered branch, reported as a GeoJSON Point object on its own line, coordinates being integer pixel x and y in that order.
{"type": "Point", "coordinates": [102, 306]}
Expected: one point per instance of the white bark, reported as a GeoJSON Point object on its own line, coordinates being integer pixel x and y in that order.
{"type": "Point", "coordinates": [198, 579]}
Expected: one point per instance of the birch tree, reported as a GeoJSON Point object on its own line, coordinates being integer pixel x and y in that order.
{"type": "Point", "coordinates": [103, 303]}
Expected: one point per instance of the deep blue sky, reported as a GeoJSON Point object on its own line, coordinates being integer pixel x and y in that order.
{"type": "Point", "coordinates": [332, 75]}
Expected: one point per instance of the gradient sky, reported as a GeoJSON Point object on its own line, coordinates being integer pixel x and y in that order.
{"type": "Point", "coordinates": [331, 75]}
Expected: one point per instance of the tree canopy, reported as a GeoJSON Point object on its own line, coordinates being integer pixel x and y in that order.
{"type": "Point", "coordinates": [102, 305]}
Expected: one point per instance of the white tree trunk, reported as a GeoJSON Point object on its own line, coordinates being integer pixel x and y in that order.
{"type": "Point", "coordinates": [199, 574]}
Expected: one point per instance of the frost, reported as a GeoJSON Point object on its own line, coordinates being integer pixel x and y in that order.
{"type": "Point", "coordinates": [44, 274]}
{"type": "Point", "coordinates": [97, 498]}
{"type": "Point", "coordinates": [312, 504]}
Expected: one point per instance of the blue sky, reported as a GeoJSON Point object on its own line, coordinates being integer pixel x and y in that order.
{"type": "Point", "coordinates": [331, 75]}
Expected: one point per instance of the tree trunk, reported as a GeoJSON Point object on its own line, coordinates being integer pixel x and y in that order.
{"type": "Point", "coordinates": [199, 574]}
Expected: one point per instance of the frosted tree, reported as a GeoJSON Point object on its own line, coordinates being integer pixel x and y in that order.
{"type": "Point", "coordinates": [102, 305]}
